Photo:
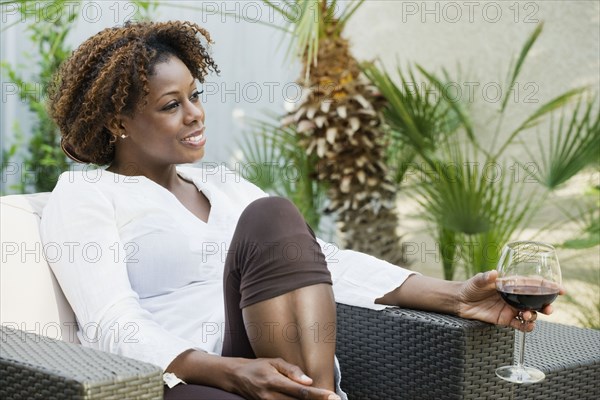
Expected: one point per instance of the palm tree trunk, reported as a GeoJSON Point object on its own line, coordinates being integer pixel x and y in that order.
{"type": "Point", "coordinates": [340, 121]}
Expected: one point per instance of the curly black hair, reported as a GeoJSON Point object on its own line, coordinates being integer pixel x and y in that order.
{"type": "Point", "coordinates": [107, 76]}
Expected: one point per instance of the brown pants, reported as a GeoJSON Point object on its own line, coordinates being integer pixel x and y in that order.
{"type": "Point", "coordinates": [273, 252]}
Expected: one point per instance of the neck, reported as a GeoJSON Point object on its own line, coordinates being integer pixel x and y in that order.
{"type": "Point", "coordinates": [164, 176]}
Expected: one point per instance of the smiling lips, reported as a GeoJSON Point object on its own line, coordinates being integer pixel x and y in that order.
{"type": "Point", "coordinates": [195, 137]}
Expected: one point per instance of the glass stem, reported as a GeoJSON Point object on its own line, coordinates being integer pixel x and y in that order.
{"type": "Point", "coordinates": [521, 343]}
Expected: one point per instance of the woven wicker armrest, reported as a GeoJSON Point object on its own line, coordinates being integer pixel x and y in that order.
{"type": "Point", "coordinates": [37, 367]}
{"type": "Point", "coordinates": [406, 354]}
{"type": "Point", "coordinates": [570, 358]}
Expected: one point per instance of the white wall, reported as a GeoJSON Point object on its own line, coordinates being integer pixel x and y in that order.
{"type": "Point", "coordinates": [483, 37]}
{"type": "Point", "coordinates": [480, 35]}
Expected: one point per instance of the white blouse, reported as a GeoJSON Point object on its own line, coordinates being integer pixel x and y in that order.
{"type": "Point", "coordinates": [144, 275]}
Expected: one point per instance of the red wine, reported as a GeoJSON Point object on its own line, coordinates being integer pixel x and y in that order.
{"type": "Point", "coordinates": [528, 297]}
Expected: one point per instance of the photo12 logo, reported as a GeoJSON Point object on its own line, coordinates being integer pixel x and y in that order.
{"type": "Point", "coordinates": [56, 11]}
{"type": "Point", "coordinates": [469, 11]}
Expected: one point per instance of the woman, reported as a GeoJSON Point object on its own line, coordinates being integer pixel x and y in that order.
{"type": "Point", "coordinates": [199, 271]}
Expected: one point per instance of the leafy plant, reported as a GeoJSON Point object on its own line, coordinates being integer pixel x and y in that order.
{"type": "Point", "coordinates": [572, 145]}
{"type": "Point", "coordinates": [471, 213]}
{"type": "Point", "coordinates": [588, 217]}
{"type": "Point", "coordinates": [282, 167]}
{"type": "Point", "coordinates": [44, 160]}
{"type": "Point", "coordinates": [9, 168]}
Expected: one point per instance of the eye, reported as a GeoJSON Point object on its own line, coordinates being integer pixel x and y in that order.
{"type": "Point", "coordinates": [196, 95]}
{"type": "Point", "coordinates": [171, 106]}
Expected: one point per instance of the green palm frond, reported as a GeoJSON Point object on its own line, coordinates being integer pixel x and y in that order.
{"type": "Point", "coordinates": [311, 23]}
{"type": "Point", "coordinates": [454, 105]}
{"type": "Point", "coordinates": [474, 210]}
{"type": "Point", "coordinates": [348, 12]}
{"type": "Point", "coordinates": [447, 241]}
{"type": "Point", "coordinates": [307, 33]}
{"type": "Point", "coordinates": [280, 166]}
{"type": "Point", "coordinates": [535, 118]}
{"type": "Point", "coordinates": [587, 216]}
{"type": "Point", "coordinates": [571, 146]}
{"type": "Point", "coordinates": [455, 194]}
{"type": "Point", "coordinates": [519, 64]}
{"type": "Point", "coordinates": [509, 211]}
{"type": "Point", "coordinates": [417, 117]}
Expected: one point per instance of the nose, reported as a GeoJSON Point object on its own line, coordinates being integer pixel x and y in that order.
{"type": "Point", "coordinates": [194, 112]}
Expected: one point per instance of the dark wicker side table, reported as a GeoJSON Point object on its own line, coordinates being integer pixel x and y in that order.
{"type": "Point", "coordinates": [570, 358]}
{"type": "Point", "coordinates": [37, 367]}
{"type": "Point", "coordinates": [406, 354]}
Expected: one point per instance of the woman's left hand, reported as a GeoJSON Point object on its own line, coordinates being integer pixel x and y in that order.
{"type": "Point", "coordinates": [478, 299]}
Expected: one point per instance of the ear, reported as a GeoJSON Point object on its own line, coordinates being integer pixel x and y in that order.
{"type": "Point", "coordinates": [117, 126]}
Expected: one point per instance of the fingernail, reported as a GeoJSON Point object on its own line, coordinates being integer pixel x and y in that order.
{"type": "Point", "coordinates": [334, 397]}
{"type": "Point", "coordinates": [305, 378]}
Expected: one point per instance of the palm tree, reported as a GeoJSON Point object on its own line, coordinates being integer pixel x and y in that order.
{"type": "Point", "coordinates": [338, 120]}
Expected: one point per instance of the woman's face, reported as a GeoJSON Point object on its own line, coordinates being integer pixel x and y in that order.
{"type": "Point", "coordinates": [170, 128]}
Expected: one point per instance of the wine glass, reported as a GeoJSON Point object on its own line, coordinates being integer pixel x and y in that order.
{"type": "Point", "coordinates": [528, 279]}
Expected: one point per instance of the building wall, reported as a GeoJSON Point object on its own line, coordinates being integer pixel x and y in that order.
{"type": "Point", "coordinates": [477, 40]}
{"type": "Point", "coordinates": [480, 36]}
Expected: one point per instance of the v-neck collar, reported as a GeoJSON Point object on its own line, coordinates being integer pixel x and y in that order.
{"type": "Point", "coordinates": [184, 175]}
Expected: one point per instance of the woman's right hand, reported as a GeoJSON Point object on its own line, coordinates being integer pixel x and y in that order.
{"type": "Point", "coordinates": [274, 378]}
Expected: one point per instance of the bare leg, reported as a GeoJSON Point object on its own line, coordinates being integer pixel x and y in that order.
{"type": "Point", "coordinates": [278, 296]}
{"type": "Point", "coordinates": [299, 327]}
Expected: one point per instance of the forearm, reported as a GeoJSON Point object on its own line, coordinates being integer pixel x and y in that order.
{"type": "Point", "coordinates": [198, 367]}
{"type": "Point", "coordinates": [424, 293]}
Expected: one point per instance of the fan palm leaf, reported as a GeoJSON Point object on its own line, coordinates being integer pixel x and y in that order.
{"type": "Point", "coordinates": [280, 166]}
{"type": "Point", "coordinates": [572, 145]}
{"type": "Point", "coordinates": [418, 119]}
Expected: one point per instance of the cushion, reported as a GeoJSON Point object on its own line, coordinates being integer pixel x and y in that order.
{"type": "Point", "coordinates": [30, 297]}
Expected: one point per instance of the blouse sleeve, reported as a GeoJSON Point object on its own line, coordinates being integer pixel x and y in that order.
{"type": "Point", "coordinates": [359, 279]}
{"type": "Point", "coordinates": [91, 270]}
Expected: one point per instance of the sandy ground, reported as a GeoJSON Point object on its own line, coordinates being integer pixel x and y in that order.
{"type": "Point", "coordinates": [580, 268]}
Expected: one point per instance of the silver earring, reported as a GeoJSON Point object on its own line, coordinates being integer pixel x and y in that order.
{"type": "Point", "coordinates": [123, 136]}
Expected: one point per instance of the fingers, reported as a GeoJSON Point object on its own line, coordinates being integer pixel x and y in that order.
{"type": "Point", "coordinates": [486, 279]}
{"type": "Point", "coordinates": [298, 391]}
{"type": "Point", "coordinates": [491, 275]}
{"type": "Point", "coordinates": [522, 326]}
{"type": "Point", "coordinates": [529, 316]}
{"type": "Point", "coordinates": [547, 310]}
{"type": "Point", "coordinates": [299, 387]}
{"type": "Point", "coordinates": [525, 321]}
{"type": "Point", "coordinates": [562, 290]}
{"type": "Point", "coordinates": [482, 278]}
{"type": "Point", "coordinates": [291, 371]}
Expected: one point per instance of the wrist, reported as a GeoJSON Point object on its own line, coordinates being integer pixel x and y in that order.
{"type": "Point", "coordinates": [199, 367]}
{"type": "Point", "coordinates": [444, 296]}
{"type": "Point", "coordinates": [426, 293]}
{"type": "Point", "coordinates": [227, 376]}
{"type": "Point", "coordinates": [457, 299]}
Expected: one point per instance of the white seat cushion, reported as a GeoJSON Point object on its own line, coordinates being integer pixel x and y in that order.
{"type": "Point", "coordinates": [30, 297]}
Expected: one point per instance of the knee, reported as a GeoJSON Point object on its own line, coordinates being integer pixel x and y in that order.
{"type": "Point", "coordinates": [271, 216]}
{"type": "Point", "coordinates": [268, 208]}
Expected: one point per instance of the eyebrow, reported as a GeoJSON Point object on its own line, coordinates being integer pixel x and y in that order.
{"type": "Point", "coordinates": [175, 91]}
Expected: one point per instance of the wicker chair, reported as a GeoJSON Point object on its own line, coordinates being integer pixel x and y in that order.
{"type": "Point", "coordinates": [390, 354]}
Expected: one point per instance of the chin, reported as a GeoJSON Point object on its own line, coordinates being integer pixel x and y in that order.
{"type": "Point", "coordinates": [196, 157]}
